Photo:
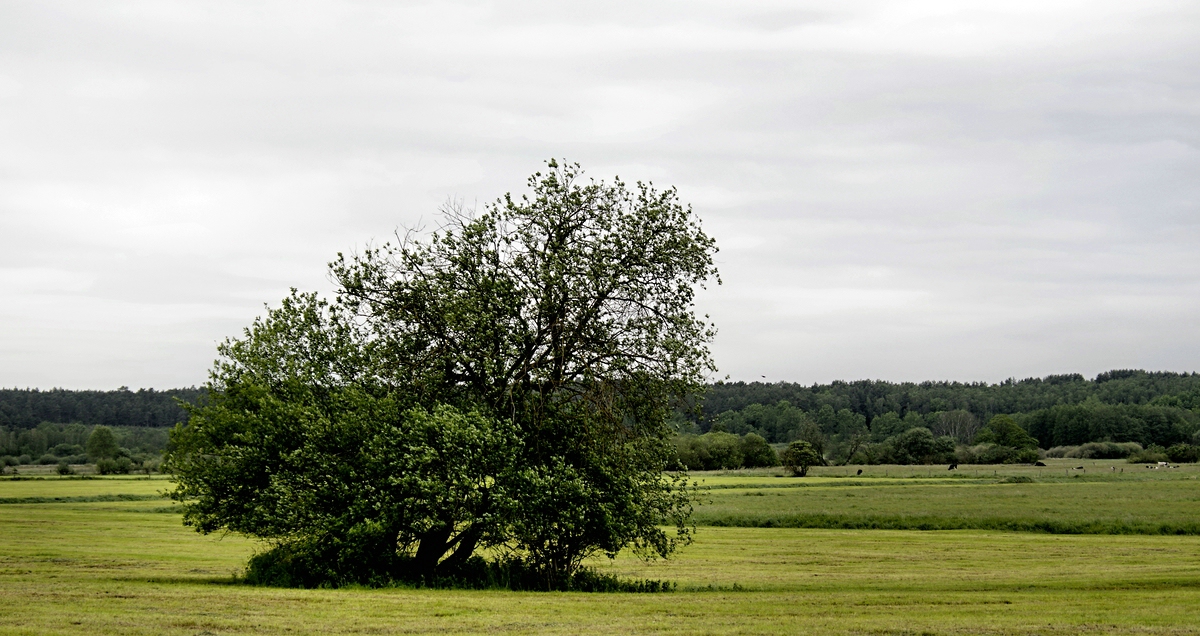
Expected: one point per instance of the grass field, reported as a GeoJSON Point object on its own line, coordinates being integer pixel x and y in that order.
{"type": "Point", "coordinates": [82, 561]}
{"type": "Point", "coordinates": [1059, 498]}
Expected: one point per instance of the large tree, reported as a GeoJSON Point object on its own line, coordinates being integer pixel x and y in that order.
{"type": "Point", "coordinates": [549, 336]}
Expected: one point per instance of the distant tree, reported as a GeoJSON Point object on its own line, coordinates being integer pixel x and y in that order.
{"type": "Point", "coordinates": [799, 456]}
{"type": "Point", "coordinates": [756, 452]}
{"type": "Point", "coordinates": [958, 424]}
{"type": "Point", "coordinates": [808, 430]}
{"type": "Point", "coordinates": [724, 450]}
{"type": "Point", "coordinates": [919, 446]}
{"type": "Point", "coordinates": [887, 425]}
{"type": "Point", "coordinates": [1004, 431]}
{"type": "Point", "coordinates": [102, 444]}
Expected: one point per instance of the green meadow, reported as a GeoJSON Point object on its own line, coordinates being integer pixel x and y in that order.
{"type": "Point", "coordinates": [1112, 554]}
{"type": "Point", "coordinates": [1058, 498]}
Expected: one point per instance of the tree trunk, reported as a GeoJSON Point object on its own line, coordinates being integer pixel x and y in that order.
{"type": "Point", "coordinates": [466, 547]}
{"type": "Point", "coordinates": [433, 546]}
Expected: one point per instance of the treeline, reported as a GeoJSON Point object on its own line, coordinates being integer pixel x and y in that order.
{"type": "Point", "coordinates": [1148, 408]}
{"type": "Point", "coordinates": [873, 398]}
{"type": "Point", "coordinates": [51, 443]}
{"type": "Point", "coordinates": [26, 408]}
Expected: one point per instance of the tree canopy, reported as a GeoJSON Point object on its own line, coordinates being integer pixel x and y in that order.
{"type": "Point", "coordinates": [505, 380]}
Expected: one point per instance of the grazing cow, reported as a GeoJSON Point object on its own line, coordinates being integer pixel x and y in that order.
{"type": "Point", "coordinates": [953, 466]}
{"type": "Point", "coordinates": [1040, 464]}
{"type": "Point", "coordinates": [1079, 468]}
{"type": "Point", "coordinates": [859, 472]}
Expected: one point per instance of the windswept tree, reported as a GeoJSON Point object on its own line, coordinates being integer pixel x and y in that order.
{"type": "Point", "coordinates": [503, 381]}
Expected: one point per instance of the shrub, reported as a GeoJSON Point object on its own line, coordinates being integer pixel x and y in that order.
{"type": "Point", "coordinates": [118, 466]}
{"type": "Point", "coordinates": [919, 446]}
{"type": "Point", "coordinates": [24, 459]}
{"type": "Point", "coordinates": [717, 450]}
{"type": "Point", "coordinates": [756, 452]}
{"type": "Point", "coordinates": [996, 454]}
{"type": "Point", "coordinates": [47, 459]}
{"type": "Point", "coordinates": [1153, 454]}
{"type": "Point", "coordinates": [65, 469]}
{"type": "Point", "coordinates": [1061, 451]}
{"type": "Point", "coordinates": [1184, 453]}
{"type": "Point", "coordinates": [8, 460]}
{"type": "Point", "coordinates": [64, 450]}
{"type": "Point", "coordinates": [1106, 450]}
{"type": "Point", "coordinates": [724, 449]}
{"type": "Point", "coordinates": [1022, 456]}
{"type": "Point", "coordinates": [691, 452]}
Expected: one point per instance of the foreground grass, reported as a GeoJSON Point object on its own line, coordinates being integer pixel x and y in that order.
{"type": "Point", "coordinates": [107, 567]}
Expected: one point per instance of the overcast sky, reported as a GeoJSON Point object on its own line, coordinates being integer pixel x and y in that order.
{"type": "Point", "coordinates": [900, 190]}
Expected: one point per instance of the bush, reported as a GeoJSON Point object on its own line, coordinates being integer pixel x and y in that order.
{"type": "Point", "coordinates": [724, 449]}
{"type": "Point", "coordinates": [919, 446]}
{"type": "Point", "coordinates": [756, 452]}
{"type": "Point", "coordinates": [1184, 453]}
{"type": "Point", "coordinates": [65, 469]}
{"type": "Point", "coordinates": [1152, 455]}
{"type": "Point", "coordinates": [1106, 450]}
{"type": "Point", "coordinates": [8, 460]}
{"type": "Point", "coordinates": [118, 466]}
{"type": "Point", "coordinates": [47, 459]}
{"type": "Point", "coordinates": [24, 459]}
{"type": "Point", "coordinates": [719, 450]}
{"type": "Point", "coordinates": [65, 450]}
{"type": "Point", "coordinates": [996, 454]}
{"type": "Point", "coordinates": [1022, 456]}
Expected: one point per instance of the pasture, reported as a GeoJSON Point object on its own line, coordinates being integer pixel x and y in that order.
{"type": "Point", "coordinates": [106, 556]}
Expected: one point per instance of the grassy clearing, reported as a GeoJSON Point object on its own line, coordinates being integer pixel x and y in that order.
{"type": "Point", "coordinates": [1096, 500]}
{"type": "Point", "coordinates": [104, 568]}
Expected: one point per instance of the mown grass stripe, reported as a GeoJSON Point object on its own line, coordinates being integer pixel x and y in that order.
{"type": "Point", "coordinates": [82, 499]}
{"type": "Point", "coordinates": [881, 522]}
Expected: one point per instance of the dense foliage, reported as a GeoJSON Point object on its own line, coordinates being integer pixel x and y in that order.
{"type": "Point", "coordinates": [717, 450]}
{"type": "Point", "coordinates": [503, 382]}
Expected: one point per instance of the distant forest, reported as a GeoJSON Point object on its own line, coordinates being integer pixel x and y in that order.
{"type": "Point", "coordinates": [872, 398]}
{"type": "Point", "coordinates": [26, 408]}
{"type": "Point", "coordinates": [1149, 407]}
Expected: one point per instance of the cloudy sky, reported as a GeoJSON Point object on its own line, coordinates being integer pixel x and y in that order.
{"type": "Point", "coordinates": [900, 190]}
